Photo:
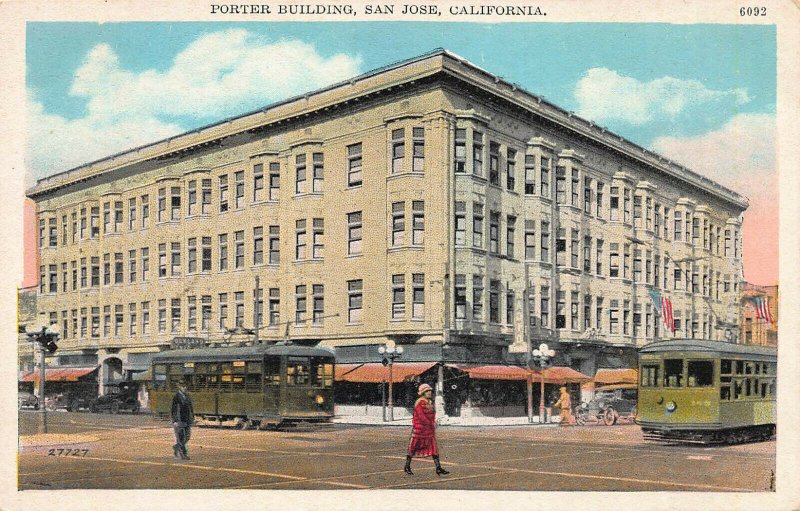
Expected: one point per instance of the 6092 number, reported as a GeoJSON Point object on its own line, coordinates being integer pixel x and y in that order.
{"type": "Point", "coordinates": [753, 11]}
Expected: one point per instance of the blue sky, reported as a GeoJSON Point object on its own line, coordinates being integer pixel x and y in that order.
{"type": "Point", "coordinates": [704, 95]}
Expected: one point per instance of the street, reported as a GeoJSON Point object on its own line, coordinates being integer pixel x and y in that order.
{"type": "Point", "coordinates": [135, 451]}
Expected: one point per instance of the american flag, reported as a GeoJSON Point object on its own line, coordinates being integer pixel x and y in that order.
{"type": "Point", "coordinates": [761, 304]}
{"type": "Point", "coordinates": [663, 307]}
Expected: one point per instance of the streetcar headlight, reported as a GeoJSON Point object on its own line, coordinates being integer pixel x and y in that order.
{"type": "Point", "coordinates": [319, 399]}
{"type": "Point", "coordinates": [671, 406]}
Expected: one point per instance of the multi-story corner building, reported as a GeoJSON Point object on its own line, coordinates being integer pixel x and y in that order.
{"type": "Point", "coordinates": [757, 330]}
{"type": "Point", "coordinates": [429, 203]}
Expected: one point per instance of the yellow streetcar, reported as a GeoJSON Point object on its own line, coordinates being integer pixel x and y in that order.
{"type": "Point", "coordinates": [706, 391]}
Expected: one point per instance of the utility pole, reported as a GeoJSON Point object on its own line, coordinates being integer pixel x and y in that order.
{"type": "Point", "coordinates": [256, 292]}
{"type": "Point", "coordinates": [46, 340]}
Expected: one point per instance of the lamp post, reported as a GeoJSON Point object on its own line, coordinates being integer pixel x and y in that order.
{"type": "Point", "coordinates": [390, 352]}
{"type": "Point", "coordinates": [542, 357]}
{"type": "Point", "coordinates": [46, 338]}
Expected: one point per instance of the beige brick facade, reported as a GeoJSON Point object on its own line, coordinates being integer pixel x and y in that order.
{"type": "Point", "coordinates": [396, 194]}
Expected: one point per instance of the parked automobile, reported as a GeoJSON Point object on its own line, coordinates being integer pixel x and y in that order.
{"type": "Point", "coordinates": [609, 406]}
{"type": "Point", "coordinates": [71, 400]}
{"type": "Point", "coordinates": [28, 400]}
{"type": "Point", "coordinates": [118, 397]}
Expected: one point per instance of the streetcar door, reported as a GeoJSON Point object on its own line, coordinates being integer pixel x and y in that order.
{"type": "Point", "coordinates": [272, 384]}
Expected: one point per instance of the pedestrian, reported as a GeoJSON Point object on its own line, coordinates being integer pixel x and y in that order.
{"type": "Point", "coordinates": [423, 433]}
{"type": "Point", "coordinates": [182, 420]}
{"type": "Point", "coordinates": [565, 404]}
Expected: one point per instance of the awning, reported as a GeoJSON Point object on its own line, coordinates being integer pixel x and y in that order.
{"type": "Point", "coordinates": [59, 374]}
{"type": "Point", "coordinates": [614, 376]}
{"type": "Point", "coordinates": [378, 373]}
{"type": "Point", "coordinates": [494, 372]}
{"type": "Point", "coordinates": [560, 374]}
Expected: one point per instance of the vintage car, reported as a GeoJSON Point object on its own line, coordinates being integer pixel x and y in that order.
{"type": "Point", "coordinates": [27, 400]}
{"type": "Point", "coordinates": [119, 396]}
{"type": "Point", "coordinates": [610, 404]}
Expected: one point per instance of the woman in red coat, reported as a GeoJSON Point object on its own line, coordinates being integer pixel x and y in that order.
{"type": "Point", "coordinates": [423, 437]}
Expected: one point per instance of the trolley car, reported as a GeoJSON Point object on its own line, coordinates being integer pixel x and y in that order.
{"type": "Point", "coordinates": [254, 386]}
{"type": "Point", "coordinates": [703, 391]}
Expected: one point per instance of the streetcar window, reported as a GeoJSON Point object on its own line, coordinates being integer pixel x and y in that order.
{"type": "Point", "coordinates": [650, 376]}
{"type": "Point", "coordinates": [252, 382]}
{"type": "Point", "coordinates": [725, 366]}
{"type": "Point", "coordinates": [764, 387]}
{"type": "Point", "coordinates": [176, 369]}
{"type": "Point", "coordinates": [673, 372]}
{"type": "Point", "coordinates": [254, 367]}
{"type": "Point", "coordinates": [747, 386]}
{"type": "Point", "coordinates": [298, 371]}
{"type": "Point", "coordinates": [272, 371]}
{"type": "Point", "coordinates": [739, 367]}
{"type": "Point", "coordinates": [321, 372]}
{"type": "Point", "coordinates": [738, 385]}
{"type": "Point", "coordinates": [748, 368]}
{"type": "Point", "coordinates": [725, 393]}
{"type": "Point", "coordinates": [700, 373]}
{"type": "Point", "coordinates": [159, 376]}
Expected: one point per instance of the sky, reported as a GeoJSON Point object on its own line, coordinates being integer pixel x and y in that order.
{"type": "Point", "coordinates": [703, 95]}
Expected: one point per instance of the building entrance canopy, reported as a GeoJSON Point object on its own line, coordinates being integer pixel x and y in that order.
{"type": "Point", "coordinates": [58, 374]}
{"type": "Point", "coordinates": [378, 373]}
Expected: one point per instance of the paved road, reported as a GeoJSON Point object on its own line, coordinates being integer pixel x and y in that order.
{"type": "Point", "coordinates": [125, 451]}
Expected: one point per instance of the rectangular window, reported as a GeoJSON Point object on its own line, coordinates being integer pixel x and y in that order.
{"type": "Point", "coordinates": [587, 312]}
{"type": "Point", "coordinates": [191, 249]}
{"type": "Point", "coordinates": [510, 308]}
{"type": "Point", "coordinates": [598, 314]}
{"type": "Point", "coordinates": [477, 298]}
{"type": "Point", "coordinates": [238, 243]}
{"type": "Point", "coordinates": [223, 193]}
{"type": "Point", "coordinates": [146, 319]}
{"type": "Point", "coordinates": [398, 223]}
{"type": "Point", "coordinates": [145, 210]}
{"type": "Point", "coordinates": [626, 205]}
{"type": "Point", "coordinates": [106, 218]}
{"type": "Point", "coordinates": [354, 227]}
{"type": "Point", "coordinates": [274, 306]}
{"type": "Point", "coordinates": [460, 151]}
{"type": "Point", "coordinates": [162, 316]}
{"type": "Point", "coordinates": [587, 254]}
{"type": "Point", "coordinates": [613, 262]}
{"type": "Point", "coordinates": [318, 172]}
{"type": "Point", "coordinates": [258, 182]}
{"type": "Point", "coordinates": [300, 240]}
{"type": "Point", "coordinates": [494, 163]}
{"type": "Point", "coordinates": [118, 215]}
{"type": "Point", "coordinates": [637, 265]}
{"type": "Point", "coordinates": [84, 275]}
{"type": "Point", "coordinates": [477, 153]}
{"type": "Point", "coordinates": [318, 312]}
{"type": "Point", "coordinates": [637, 211]}
{"type": "Point", "coordinates": [274, 181]}
{"type": "Point", "coordinates": [318, 241]}
{"type": "Point", "coordinates": [511, 171]}
{"type": "Point", "coordinates": [145, 251]}
{"type": "Point", "coordinates": [223, 252]}
{"type": "Point", "coordinates": [673, 372]}
{"type": "Point", "coordinates": [205, 198]}
{"type": "Point", "coordinates": [511, 222]}
{"type": "Point", "coordinates": [530, 240]}
{"type": "Point", "coordinates": [175, 259]}
{"type": "Point", "coordinates": [354, 300]}
{"type": "Point", "coordinates": [561, 185]}
{"type": "Point", "coordinates": [398, 296]}
{"type": "Point", "coordinates": [119, 271]}
{"type": "Point", "coordinates": [695, 231]}
{"type": "Point", "coordinates": [614, 203]}
{"type": "Point", "coordinates": [238, 178]}
{"type": "Point", "coordinates": [131, 266]}
{"type": "Point", "coordinates": [544, 181]}
{"type": "Point", "coordinates": [191, 309]}
{"type": "Point", "coordinates": [398, 150]}
{"type": "Point", "coordinates": [95, 262]}
{"type": "Point", "coordinates": [64, 231]}
{"type": "Point", "coordinates": [677, 232]}
{"type": "Point", "coordinates": [205, 254]}
{"type": "Point", "coordinates": [494, 232]}
{"type": "Point", "coordinates": [477, 225]}
{"type": "Point", "coordinates": [274, 244]}
{"type": "Point", "coordinates": [574, 249]}
{"type": "Point", "coordinates": [418, 150]}
{"type": "Point", "coordinates": [175, 315]}
{"type": "Point", "coordinates": [530, 174]}
{"type": "Point", "coordinates": [573, 310]}
{"type": "Point", "coordinates": [53, 276]}
{"type": "Point", "coordinates": [300, 173]}
{"type": "Point", "coordinates": [205, 312]}
{"type": "Point", "coordinates": [460, 222]}
{"type": "Point", "coordinates": [354, 175]}
{"type": "Point", "coordinates": [561, 247]}
{"type": "Point", "coordinates": [544, 303]}
{"type": "Point", "coordinates": [494, 301]}
{"type": "Point", "coordinates": [460, 298]}
{"type": "Point", "coordinates": [238, 298]}
{"type": "Point", "coordinates": [223, 310]}
{"type": "Point", "coordinates": [175, 203]}
{"type": "Point", "coordinates": [83, 224]}
{"type": "Point", "coordinates": [575, 187]}
{"type": "Point", "coordinates": [418, 296]}
{"type": "Point", "coordinates": [587, 195]}
{"type": "Point", "coordinates": [191, 189]}
{"type": "Point", "coordinates": [94, 227]}
{"type": "Point", "coordinates": [544, 245]}
{"type": "Point", "coordinates": [417, 222]}
{"type": "Point", "coordinates": [301, 305]}
{"type": "Point", "coordinates": [258, 245]}
{"type": "Point", "coordinates": [561, 309]}
{"type": "Point", "coordinates": [613, 317]}
{"type": "Point", "coordinates": [649, 376]}
{"type": "Point", "coordinates": [132, 214]}
{"type": "Point", "coordinates": [132, 320]}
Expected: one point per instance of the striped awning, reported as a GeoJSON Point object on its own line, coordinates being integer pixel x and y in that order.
{"type": "Point", "coordinates": [58, 374]}
{"type": "Point", "coordinates": [374, 372]}
{"type": "Point", "coordinates": [554, 375]}
{"type": "Point", "coordinates": [616, 376]}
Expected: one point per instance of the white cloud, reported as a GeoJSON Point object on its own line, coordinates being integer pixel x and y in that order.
{"type": "Point", "coordinates": [604, 95]}
{"type": "Point", "coordinates": [220, 74]}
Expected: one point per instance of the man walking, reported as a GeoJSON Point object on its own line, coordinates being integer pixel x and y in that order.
{"type": "Point", "coordinates": [182, 420]}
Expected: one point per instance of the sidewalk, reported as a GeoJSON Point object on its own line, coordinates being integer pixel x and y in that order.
{"type": "Point", "coordinates": [444, 421]}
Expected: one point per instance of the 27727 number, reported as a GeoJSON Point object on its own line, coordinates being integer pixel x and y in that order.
{"type": "Point", "coordinates": [68, 452]}
{"type": "Point", "coordinates": [752, 11]}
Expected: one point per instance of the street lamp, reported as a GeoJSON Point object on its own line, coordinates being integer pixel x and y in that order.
{"type": "Point", "coordinates": [390, 352]}
{"type": "Point", "coordinates": [542, 357]}
{"type": "Point", "coordinates": [46, 338]}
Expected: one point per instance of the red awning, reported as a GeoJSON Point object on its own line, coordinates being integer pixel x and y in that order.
{"type": "Point", "coordinates": [378, 373]}
{"type": "Point", "coordinates": [495, 372]}
{"type": "Point", "coordinates": [559, 374]}
{"type": "Point", "coordinates": [616, 376]}
{"type": "Point", "coordinates": [59, 374]}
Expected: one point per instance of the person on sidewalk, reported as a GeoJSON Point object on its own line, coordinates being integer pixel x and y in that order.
{"type": "Point", "coordinates": [182, 420]}
{"type": "Point", "coordinates": [423, 433]}
{"type": "Point", "coordinates": [565, 404]}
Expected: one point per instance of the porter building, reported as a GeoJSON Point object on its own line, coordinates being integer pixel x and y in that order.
{"type": "Point", "coordinates": [428, 203]}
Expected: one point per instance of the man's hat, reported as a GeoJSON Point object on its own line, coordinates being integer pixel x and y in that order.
{"type": "Point", "coordinates": [424, 388]}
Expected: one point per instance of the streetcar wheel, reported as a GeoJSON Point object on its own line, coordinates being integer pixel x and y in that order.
{"type": "Point", "coordinates": [610, 417]}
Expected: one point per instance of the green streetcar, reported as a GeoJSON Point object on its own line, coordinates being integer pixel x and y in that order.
{"type": "Point", "coordinates": [254, 386]}
{"type": "Point", "coordinates": [706, 391]}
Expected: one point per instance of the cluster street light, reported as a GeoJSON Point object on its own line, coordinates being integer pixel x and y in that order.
{"type": "Point", "coordinates": [542, 356]}
{"type": "Point", "coordinates": [46, 338]}
{"type": "Point", "coordinates": [390, 352]}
